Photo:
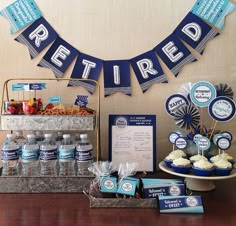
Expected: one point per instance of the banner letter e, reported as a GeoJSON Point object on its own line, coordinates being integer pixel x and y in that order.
{"type": "Point", "coordinates": [61, 52]}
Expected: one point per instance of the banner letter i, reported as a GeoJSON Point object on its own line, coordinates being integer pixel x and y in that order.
{"type": "Point", "coordinates": [116, 70]}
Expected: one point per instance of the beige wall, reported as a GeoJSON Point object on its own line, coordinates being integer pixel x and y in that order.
{"type": "Point", "coordinates": [121, 29]}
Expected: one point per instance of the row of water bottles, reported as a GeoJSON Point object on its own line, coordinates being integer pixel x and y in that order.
{"type": "Point", "coordinates": [45, 156]}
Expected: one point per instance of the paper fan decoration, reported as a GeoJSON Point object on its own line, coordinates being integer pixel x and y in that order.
{"type": "Point", "coordinates": [187, 117]}
{"type": "Point", "coordinates": [224, 90]}
{"type": "Point", "coordinates": [185, 90]}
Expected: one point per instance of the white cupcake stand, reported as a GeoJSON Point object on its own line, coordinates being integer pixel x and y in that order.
{"type": "Point", "coordinates": [197, 183]}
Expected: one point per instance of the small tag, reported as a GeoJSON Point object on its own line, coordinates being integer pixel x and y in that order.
{"type": "Point", "coordinates": [127, 187]}
{"type": "Point", "coordinates": [108, 184]}
{"type": "Point", "coordinates": [37, 86]}
{"type": "Point", "coordinates": [81, 101]}
{"type": "Point", "coordinates": [54, 99]}
{"type": "Point", "coordinates": [17, 87]}
{"type": "Point", "coordinates": [180, 204]}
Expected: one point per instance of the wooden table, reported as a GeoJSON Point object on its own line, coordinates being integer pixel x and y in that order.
{"type": "Point", "coordinates": [73, 209]}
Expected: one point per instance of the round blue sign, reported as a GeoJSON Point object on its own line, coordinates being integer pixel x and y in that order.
{"type": "Point", "coordinates": [174, 102]}
{"type": "Point", "coordinates": [222, 109]}
{"type": "Point", "coordinates": [203, 143]}
{"type": "Point", "coordinates": [172, 137]}
{"type": "Point", "coordinates": [202, 93]}
{"type": "Point", "coordinates": [223, 143]}
{"type": "Point", "coordinates": [216, 137]}
{"type": "Point", "coordinates": [181, 143]}
{"type": "Point", "coordinates": [227, 135]}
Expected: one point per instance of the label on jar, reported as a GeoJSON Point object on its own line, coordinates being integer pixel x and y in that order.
{"type": "Point", "coordinates": [8, 155]}
{"type": "Point", "coordinates": [48, 154]}
{"type": "Point", "coordinates": [30, 155]}
{"type": "Point", "coordinates": [66, 155]}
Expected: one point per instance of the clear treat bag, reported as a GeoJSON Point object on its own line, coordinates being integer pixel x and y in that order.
{"type": "Point", "coordinates": [128, 186]}
{"type": "Point", "coordinates": [100, 169]}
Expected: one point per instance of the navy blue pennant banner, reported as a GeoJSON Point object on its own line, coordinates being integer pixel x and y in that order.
{"type": "Point", "coordinates": [174, 53]}
{"type": "Point", "coordinates": [21, 13]}
{"type": "Point", "coordinates": [59, 57]}
{"type": "Point", "coordinates": [37, 36]}
{"type": "Point", "coordinates": [213, 11]}
{"type": "Point", "coordinates": [117, 77]}
{"type": "Point", "coordinates": [148, 70]}
{"type": "Point", "coordinates": [86, 67]}
{"type": "Point", "coordinates": [195, 32]}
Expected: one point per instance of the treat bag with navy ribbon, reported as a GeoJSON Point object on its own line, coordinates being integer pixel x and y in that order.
{"type": "Point", "coordinates": [104, 185]}
{"type": "Point", "coordinates": [37, 36]}
{"type": "Point", "coordinates": [195, 32]}
{"type": "Point", "coordinates": [128, 185]}
{"type": "Point", "coordinates": [148, 70]}
{"type": "Point", "coordinates": [174, 53]}
{"type": "Point", "coordinates": [86, 67]}
{"type": "Point", "coordinates": [59, 57]}
{"type": "Point", "coordinates": [117, 77]}
{"type": "Point", "coordinates": [20, 14]}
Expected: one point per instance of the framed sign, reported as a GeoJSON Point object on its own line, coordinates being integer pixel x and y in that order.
{"type": "Point", "coordinates": [132, 138]}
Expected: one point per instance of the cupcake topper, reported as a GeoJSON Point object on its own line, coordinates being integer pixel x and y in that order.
{"type": "Point", "coordinates": [180, 133]}
{"type": "Point", "coordinates": [172, 137]}
{"type": "Point", "coordinates": [203, 144]}
{"type": "Point", "coordinates": [174, 102]}
{"type": "Point", "coordinates": [196, 137]}
{"type": "Point", "coordinates": [227, 135]}
{"type": "Point", "coordinates": [223, 143]}
{"type": "Point", "coordinates": [216, 137]}
{"type": "Point", "coordinates": [221, 109]}
{"type": "Point", "coordinates": [181, 143]}
{"type": "Point", "coordinates": [202, 93]}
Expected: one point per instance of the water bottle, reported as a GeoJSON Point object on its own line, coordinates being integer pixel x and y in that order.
{"type": "Point", "coordinates": [59, 138]}
{"type": "Point", "coordinates": [10, 156]}
{"type": "Point", "coordinates": [39, 137]}
{"type": "Point", "coordinates": [20, 140]}
{"type": "Point", "coordinates": [84, 155]}
{"type": "Point", "coordinates": [30, 155]}
{"type": "Point", "coordinates": [67, 157]}
{"type": "Point", "coordinates": [48, 156]}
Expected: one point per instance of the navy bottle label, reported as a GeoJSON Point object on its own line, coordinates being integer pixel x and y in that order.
{"type": "Point", "coordinates": [9, 155]}
{"type": "Point", "coordinates": [48, 154]}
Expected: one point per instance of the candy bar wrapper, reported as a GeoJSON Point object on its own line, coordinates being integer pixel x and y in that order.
{"type": "Point", "coordinates": [156, 187]}
{"type": "Point", "coordinates": [180, 204]}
